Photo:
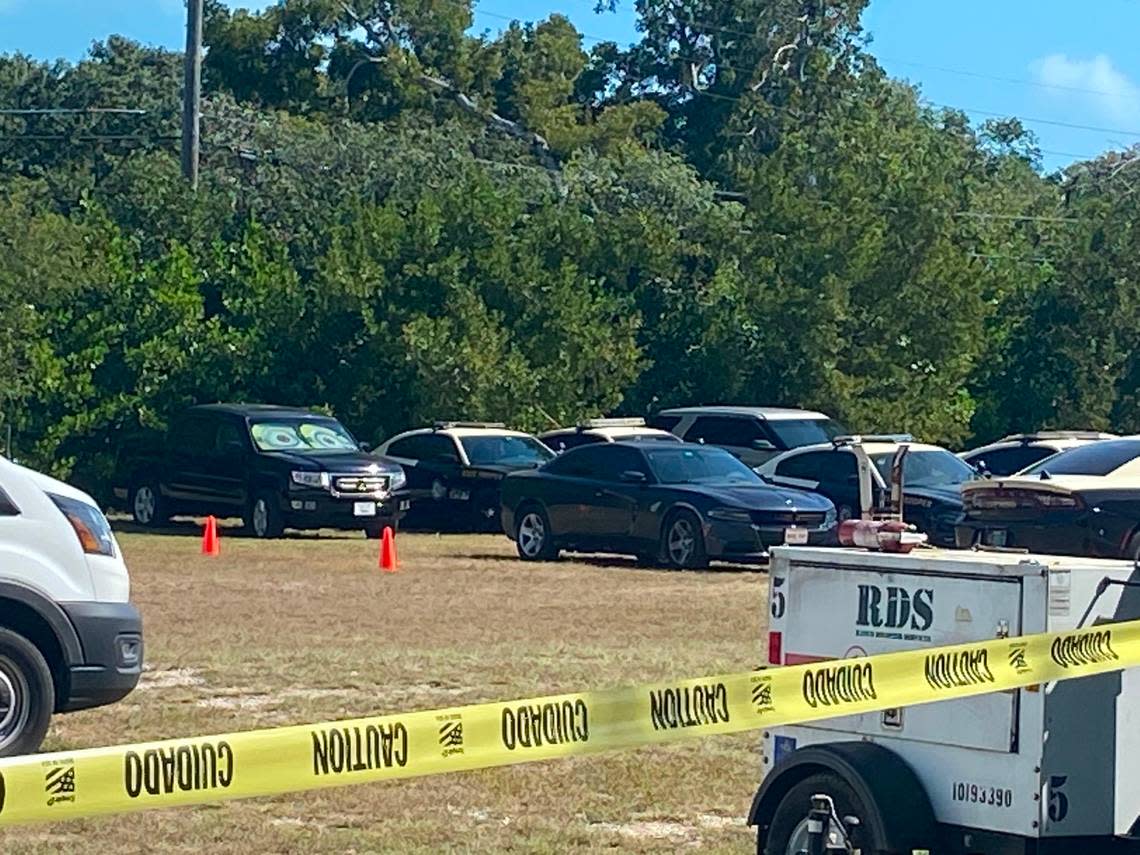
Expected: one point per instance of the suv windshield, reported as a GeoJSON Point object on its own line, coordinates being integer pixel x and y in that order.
{"type": "Point", "coordinates": [505, 450]}
{"type": "Point", "coordinates": [796, 432]}
{"type": "Point", "coordinates": [308, 435]}
{"type": "Point", "coordinates": [1096, 458]}
{"type": "Point", "coordinates": [698, 466]}
{"type": "Point", "coordinates": [927, 468]}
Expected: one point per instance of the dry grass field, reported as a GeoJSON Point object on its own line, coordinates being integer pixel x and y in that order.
{"type": "Point", "coordinates": [306, 629]}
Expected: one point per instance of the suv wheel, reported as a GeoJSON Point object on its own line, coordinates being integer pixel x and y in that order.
{"type": "Point", "coordinates": [148, 507]}
{"type": "Point", "coordinates": [683, 542]}
{"type": "Point", "coordinates": [27, 695]}
{"type": "Point", "coordinates": [264, 517]}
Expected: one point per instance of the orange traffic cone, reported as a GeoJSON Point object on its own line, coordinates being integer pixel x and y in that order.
{"type": "Point", "coordinates": [210, 544]}
{"type": "Point", "coordinates": [388, 560]}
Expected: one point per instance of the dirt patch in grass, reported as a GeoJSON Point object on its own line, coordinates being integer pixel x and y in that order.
{"type": "Point", "coordinates": [307, 629]}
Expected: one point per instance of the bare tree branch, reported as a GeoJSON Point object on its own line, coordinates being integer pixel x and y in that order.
{"type": "Point", "coordinates": [537, 143]}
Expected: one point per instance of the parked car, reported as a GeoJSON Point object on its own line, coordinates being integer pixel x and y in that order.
{"type": "Point", "coordinates": [1084, 501]}
{"type": "Point", "coordinates": [932, 478]}
{"type": "Point", "coordinates": [593, 431]}
{"type": "Point", "coordinates": [276, 467]}
{"type": "Point", "coordinates": [680, 504]}
{"type": "Point", "coordinates": [753, 434]}
{"type": "Point", "coordinates": [455, 470]}
{"type": "Point", "coordinates": [70, 639]}
{"type": "Point", "coordinates": [1013, 453]}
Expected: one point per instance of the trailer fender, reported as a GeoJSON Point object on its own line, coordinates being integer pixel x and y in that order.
{"type": "Point", "coordinates": [884, 782]}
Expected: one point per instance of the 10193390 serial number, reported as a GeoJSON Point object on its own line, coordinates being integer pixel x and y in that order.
{"type": "Point", "coordinates": [979, 794]}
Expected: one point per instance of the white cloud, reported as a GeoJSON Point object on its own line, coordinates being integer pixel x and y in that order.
{"type": "Point", "coordinates": [1093, 81]}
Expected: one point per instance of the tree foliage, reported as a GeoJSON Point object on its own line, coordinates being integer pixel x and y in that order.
{"type": "Point", "coordinates": [401, 220]}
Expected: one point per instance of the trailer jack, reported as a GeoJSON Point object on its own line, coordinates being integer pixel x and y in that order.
{"type": "Point", "coordinates": [826, 831]}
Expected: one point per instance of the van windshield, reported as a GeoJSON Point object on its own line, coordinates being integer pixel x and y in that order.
{"type": "Point", "coordinates": [307, 435]}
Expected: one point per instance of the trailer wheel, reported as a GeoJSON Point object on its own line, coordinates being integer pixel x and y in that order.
{"type": "Point", "coordinates": [788, 834]}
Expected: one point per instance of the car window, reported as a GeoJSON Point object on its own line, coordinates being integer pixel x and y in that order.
{"type": "Point", "coordinates": [1096, 458]}
{"type": "Point", "coordinates": [587, 461]}
{"type": "Point", "coordinates": [663, 422]}
{"type": "Point", "coordinates": [565, 441]}
{"type": "Point", "coordinates": [807, 466]}
{"type": "Point", "coordinates": [683, 464]}
{"type": "Point", "coordinates": [307, 435]}
{"type": "Point", "coordinates": [439, 447]}
{"type": "Point", "coordinates": [1006, 461]}
{"type": "Point", "coordinates": [935, 468]}
{"type": "Point", "coordinates": [736, 432]}
{"type": "Point", "coordinates": [194, 436]}
{"type": "Point", "coordinates": [228, 434]}
{"type": "Point", "coordinates": [794, 433]}
{"type": "Point", "coordinates": [505, 450]}
{"type": "Point", "coordinates": [838, 467]}
{"type": "Point", "coordinates": [7, 506]}
{"type": "Point", "coordinates": [409, 448]}
{"type": "Point", "coordinates": [618, 459]}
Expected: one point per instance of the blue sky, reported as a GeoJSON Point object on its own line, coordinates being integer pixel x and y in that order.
{"type": "Point", "coordinates": [1032, 58]}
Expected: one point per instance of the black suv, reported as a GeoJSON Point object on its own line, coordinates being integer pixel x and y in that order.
{"type": "Point", "coordinates": [275, 467]}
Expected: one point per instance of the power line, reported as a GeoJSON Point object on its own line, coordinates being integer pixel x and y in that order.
{"type": "Point", "coordinates": [67, 111]}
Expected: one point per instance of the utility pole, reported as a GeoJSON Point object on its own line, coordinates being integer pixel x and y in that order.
{"type": "Point", "coordinates": [192, 93]}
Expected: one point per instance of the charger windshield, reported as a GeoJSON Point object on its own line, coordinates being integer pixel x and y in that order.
{"type": "Point", "coordinates": [699, 466]}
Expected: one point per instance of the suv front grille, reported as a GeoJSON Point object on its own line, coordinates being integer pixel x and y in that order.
{"type": "Point", "coordinates": [359, 485]}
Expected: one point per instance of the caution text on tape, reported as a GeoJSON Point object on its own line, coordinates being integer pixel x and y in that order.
{"type": "Point", "coordinates": [204, 769]}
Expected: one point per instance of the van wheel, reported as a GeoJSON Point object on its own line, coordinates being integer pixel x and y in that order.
{"type": "Point", "coordinates": [788, 833]}
{"type": "Point", "coordinates": [533, 537]}
{"type": "Point", "coordinates": [263, 519]}
{"type": "Point", "coordinates": [27, 695]}
{"type": "Point", "coordinates": [683, 542]}
{"type": "Point", "coordinates": [148, 506]}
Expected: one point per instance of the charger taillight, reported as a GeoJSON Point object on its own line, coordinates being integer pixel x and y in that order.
{"type": "Point", "coordinates": [775, 648]}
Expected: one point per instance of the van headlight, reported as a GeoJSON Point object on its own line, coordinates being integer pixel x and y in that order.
{"type": "Point", "coordinates": [91, 527]}
{"type": "Point", "coordinates": [319, 480]}
{"type": "Point", "coordinates": [399, 479]}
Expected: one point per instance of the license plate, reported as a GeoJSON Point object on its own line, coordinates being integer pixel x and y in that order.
{"type": "Point", "coordinates": [796, 536]}
{"type": "Point", "coordinates": [364, 509]}
{"type": "Point", "coordinates": [405, 504]}
{"type": "Point", "coordinates": [996, 537]}
{"type": "Point", "coordinates": [460, 495]}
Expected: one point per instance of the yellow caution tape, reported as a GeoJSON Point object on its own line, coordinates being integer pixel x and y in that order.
{"type": "Point", "coordinates": [71, 784]}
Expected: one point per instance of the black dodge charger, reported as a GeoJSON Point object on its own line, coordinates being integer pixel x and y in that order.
{"type": "Point", "coordinates": [679, 504]}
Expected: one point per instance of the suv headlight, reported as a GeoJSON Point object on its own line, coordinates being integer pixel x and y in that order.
{"type": "Point", "coordinates": [399, 479]}
{"type": "Point", "coordinates": [91, 527]}
{"type": "Point", "coordinates": [310, 479]}
{"type": "Point", "coordinates": [736, 515]}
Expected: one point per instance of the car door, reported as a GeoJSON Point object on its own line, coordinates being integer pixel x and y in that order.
{"type": "Point", "coordinates": [224, 472]}
{"type": "Point", "coordinates": [583, 499]}
{"type": "Point", "coordinates": [742, 436]}
{"type": "Point", "coordinates": [189, 444]}
{"type": "Point", "coordinates": [612, 513]}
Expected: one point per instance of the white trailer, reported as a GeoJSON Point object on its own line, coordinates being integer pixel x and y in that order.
{"type": "Point", "coordinates": [1047, 769]}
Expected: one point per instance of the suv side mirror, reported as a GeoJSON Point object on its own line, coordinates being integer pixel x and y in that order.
{"type": "Point", "coordinates": [761, 445]}
{"type": "Point", "coordinates": [632, 476]}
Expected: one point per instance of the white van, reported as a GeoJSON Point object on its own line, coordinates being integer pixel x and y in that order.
{"type": "Point", "coordinates": [69, 637]}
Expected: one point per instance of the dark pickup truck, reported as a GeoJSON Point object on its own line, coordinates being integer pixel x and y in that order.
{"type": "Point", "coordinates": [275, 467]}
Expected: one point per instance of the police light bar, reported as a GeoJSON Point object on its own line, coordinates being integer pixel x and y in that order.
{"type": "Point", "coordinates": [872, 437]}
{"type": "Point", "coordinates": [586, 424]}
{"type": "Point", "coordinates": [449, 425]}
